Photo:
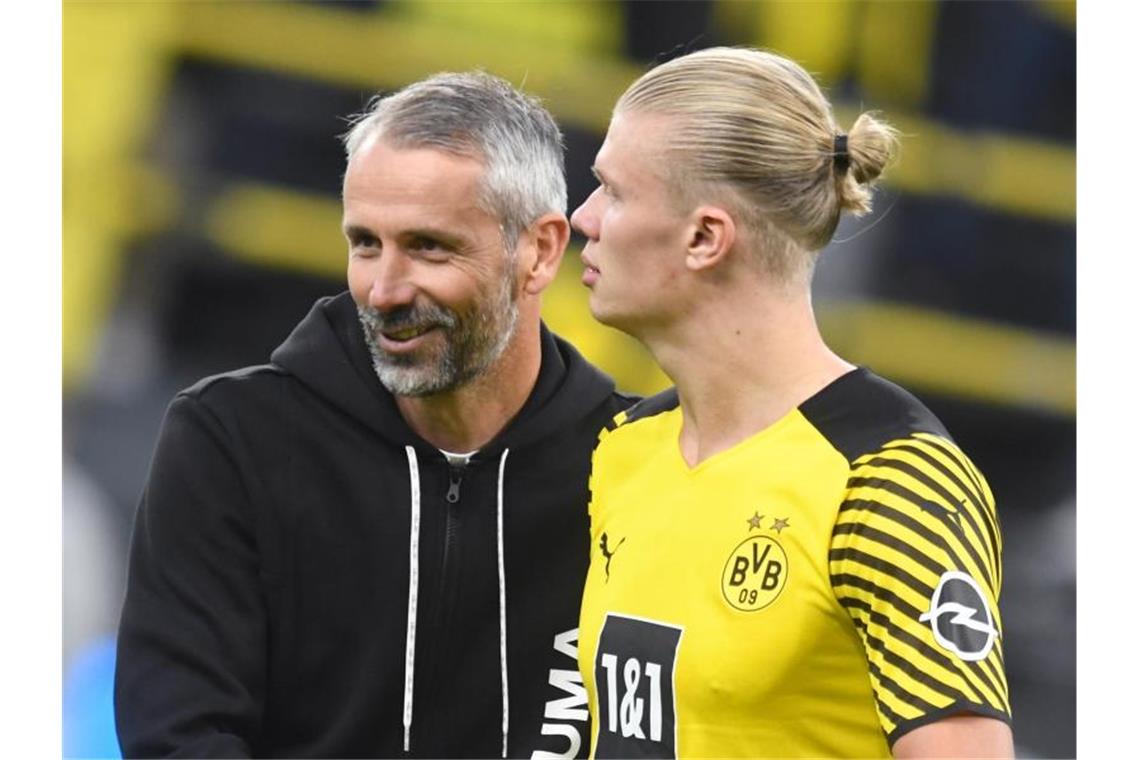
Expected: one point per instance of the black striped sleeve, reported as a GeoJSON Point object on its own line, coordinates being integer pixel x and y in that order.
{"type": "Point", "coordinates": [915, 560]}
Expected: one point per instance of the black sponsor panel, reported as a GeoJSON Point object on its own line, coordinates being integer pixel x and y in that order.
{"type": "Point", "coordinates": [633, 674]}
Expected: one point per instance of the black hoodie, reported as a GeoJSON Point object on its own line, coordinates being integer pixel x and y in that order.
{"type": "Point", "coordinates": [276, 561]}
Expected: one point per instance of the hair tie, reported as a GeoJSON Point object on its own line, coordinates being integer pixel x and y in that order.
{"type": "Point", "coordinates": [841, 157]}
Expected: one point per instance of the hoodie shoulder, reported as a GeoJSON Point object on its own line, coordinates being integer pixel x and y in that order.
{"type": "Point", "coordinates": [246, 394]}
{"type": "Point", "coordinates": [253, 373]}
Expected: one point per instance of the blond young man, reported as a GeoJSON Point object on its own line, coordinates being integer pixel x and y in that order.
{"type": "Point", "coordinates": [791, 557]}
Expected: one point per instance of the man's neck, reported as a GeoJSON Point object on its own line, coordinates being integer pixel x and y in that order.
{"type": "Point", "coordinates": [469, 417]}
{"type": "Point", "coordinates": [742, 364]}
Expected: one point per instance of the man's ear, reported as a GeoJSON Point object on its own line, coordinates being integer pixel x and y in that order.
{"type": "Point", "coordinates": [712, 235]}
{"type": "Point", "coordinates": [548, 236]}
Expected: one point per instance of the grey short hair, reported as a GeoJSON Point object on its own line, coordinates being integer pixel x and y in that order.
{"type": "Point", "coordinates": [483, 116]}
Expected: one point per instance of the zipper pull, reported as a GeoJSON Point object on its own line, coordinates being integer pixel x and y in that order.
{"type": "Point", "coordinates": [453, 486]}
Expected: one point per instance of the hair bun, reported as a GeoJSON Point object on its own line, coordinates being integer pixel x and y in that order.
{"type": "Point", "coordinates": [872, 145]}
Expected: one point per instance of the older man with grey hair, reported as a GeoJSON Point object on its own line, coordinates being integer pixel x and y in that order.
{"type": "Point", "coordinates": [374, 544]}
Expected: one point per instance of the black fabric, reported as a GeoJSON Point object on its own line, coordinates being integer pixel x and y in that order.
{"type": "Point", "coordinates": [860, 411]}
{"type": "Point", "coordinates": [842, 158]}
{"type": "Point", "coordinates": [662, 402]}
{"type": "Point", "coordinates": [266, 608]}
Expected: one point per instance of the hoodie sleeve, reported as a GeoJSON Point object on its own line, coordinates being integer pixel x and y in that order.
{"type": "Point", "coordinates": [190, 670]}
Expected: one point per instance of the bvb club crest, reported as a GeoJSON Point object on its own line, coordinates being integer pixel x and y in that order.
{"type": "Point", "coordinates": [756, 571]}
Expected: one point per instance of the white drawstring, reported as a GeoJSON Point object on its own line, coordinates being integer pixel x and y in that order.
{"type": "Point", "coordinates": [413, 598]}
{"type": "Point", "coordinates": [503, 604]}
{"type": "Point", "coordinates": [413, 594]}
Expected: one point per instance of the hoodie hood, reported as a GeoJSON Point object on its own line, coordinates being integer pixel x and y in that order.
{"type": "Point", "coordinates": [327, 353]}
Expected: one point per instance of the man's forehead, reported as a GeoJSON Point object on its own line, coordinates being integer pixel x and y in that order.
{"type": "Point", "coordinates": [393, 214]}
{"type": "Point", "coordinates": [390, 190]}
{"type": "Point", "coordinates": [634, 147]}
{"type": "Point", "coordinates": [381, 170]}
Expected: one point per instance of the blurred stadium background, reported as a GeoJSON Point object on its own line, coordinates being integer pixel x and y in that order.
{"type": "Point", "coordinates": [201, 218]}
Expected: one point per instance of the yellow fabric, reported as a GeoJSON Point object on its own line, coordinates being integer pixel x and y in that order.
{"type": "Point", "coordinates": [738, 553]}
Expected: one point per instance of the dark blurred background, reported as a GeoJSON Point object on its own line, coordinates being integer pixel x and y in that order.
{"type": "Point", "coordinates": [201, 219]}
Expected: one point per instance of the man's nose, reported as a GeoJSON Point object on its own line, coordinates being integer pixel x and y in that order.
{"type": "Point", "coordinates": [392, 286]}
{"type": "Point", "coordinates": [585, 219]}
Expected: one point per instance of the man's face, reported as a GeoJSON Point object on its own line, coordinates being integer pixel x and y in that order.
{"type": "Point", "coordinates": [432, 283]}
{"type": "Point", "coordinates": [635, 235]}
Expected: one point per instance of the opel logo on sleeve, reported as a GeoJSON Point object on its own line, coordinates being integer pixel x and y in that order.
{"type": "Point", "coordinates": [960, 617]}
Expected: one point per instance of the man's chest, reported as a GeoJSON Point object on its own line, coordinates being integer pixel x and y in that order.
{"type": "Point", "coordinates": [709, 590]}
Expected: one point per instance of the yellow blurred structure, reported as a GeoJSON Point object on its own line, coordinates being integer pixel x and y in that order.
{"type": "Point", "coordinates": [118, 58]}
{"type": "Point", "coordinates": [114, 74]}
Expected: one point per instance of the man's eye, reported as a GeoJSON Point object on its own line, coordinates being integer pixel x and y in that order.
{"type": "Point", "coordinates": [427, 245]}
{"type": "Point", "coordinates": [364, 241]}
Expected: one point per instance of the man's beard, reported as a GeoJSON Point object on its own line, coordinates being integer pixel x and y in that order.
{"type": "Point", "coordinates": [471, 342]}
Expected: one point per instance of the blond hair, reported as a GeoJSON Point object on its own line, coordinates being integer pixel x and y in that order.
{"type": "Point", "coordinates": [755, 123]}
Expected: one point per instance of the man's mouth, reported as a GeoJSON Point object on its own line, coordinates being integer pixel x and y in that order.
{"type": "Point", "coordinates": [590, 272]}
{"type": "Point", "coordinates": [404, 334]}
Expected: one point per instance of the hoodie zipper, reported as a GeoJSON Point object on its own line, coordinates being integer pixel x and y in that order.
{"type": "Point", "coordinates": [445, 585]}
{"type": "Point", "coordinates": [456, 475]}
{"type": "Point", "coordinates": [451, 519]}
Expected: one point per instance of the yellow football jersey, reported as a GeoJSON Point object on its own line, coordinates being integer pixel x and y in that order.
{"type": "Point", "coordinates": [817, 590]}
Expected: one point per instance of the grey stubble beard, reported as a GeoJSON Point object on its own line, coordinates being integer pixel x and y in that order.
{"type": "Point", "coordinates": [472, 344]}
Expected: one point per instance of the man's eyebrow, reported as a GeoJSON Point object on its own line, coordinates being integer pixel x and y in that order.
{"type": "Point", "coordinates": [356, 230]}
{"type": "Point", "coordinates": [444, 236]}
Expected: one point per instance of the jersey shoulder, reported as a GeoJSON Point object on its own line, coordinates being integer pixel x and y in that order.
{"type": "Point", "coordinates": [631, 439]}
{"type": "Point", "coordinates": [860, 412]}
{"type": "Point", "coordinates": [915, 556]}
{"type": "Point", "coordinates": [646, 408]}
